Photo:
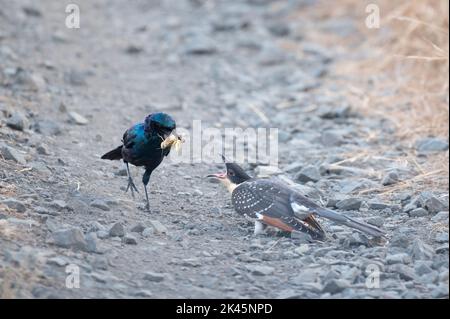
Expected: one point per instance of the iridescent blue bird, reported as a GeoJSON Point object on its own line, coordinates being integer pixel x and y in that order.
{"type": "Point", "coordinates": [142, 147]}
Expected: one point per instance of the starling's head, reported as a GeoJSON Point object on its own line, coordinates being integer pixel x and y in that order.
{"type": "Point", "coordinates": [161, 123]}
{"type": "Point", "coordinates": [234, 175]}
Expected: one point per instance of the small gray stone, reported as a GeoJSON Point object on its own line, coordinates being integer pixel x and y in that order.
{"type": "Point", "coordinates": [91, 242]}
{"type": "Point", "coordinates": [70, 238]}
{"type": "Point", "coordinates": [58, 261]}
{"type": "Point", "coordinates": [148, 232]}
{"type": "Point", "coordinates": [422, 269]}
{"type": "Point", "coordinates": [431, 145]}
{"type": "Point", "coordinates": [199, 45]}
{"type": "Point", "coordinates": [47, 128]}
{"type": "Point", "coordinates": [335, 286]}
{"type": "Point", "coordinates": [100, 204]}
{"type": "Point", "coordinates": [441, 237]}
{"type": "Point", "coordinates": [138, 228]}
{"type": "Point", "coordinates": [14, 204]}
{"type": "Point", "coordinates": [17, 122]}
{"type": "Point", "coordinates": [117, 230]}
{"type": "Point", "coordinates": [259, 270]}
{"type": "Point", "coordinates": [434, 205]}
{"type": "Point", "coordinates": [349, 204]}
{"type": "Point", "coordinates": [401, 258]}
{"type": "Point", "coordinates": [400, 240]}
{"type": "Point", "coordinates": [102, 234]}
{"type": "Point", "coordinates": [390, 179]}
{"type": "Point", "coordinates": [78, 119]}
{"type": "Point", "coordinates": [418, 212]}
{"type": "Point", "coordinates": [442, 249]}
{"type": "Point", "coordinates": [12, 154]}
{"type": "Point", "coordinates": [42, 149]}
{"type": "Point", "coordinates": [58, 204]}
{"type": "Point", "coordinates": [95, 226]}
{"type": "Point", "coordinates": [279, 29]}
{"type": "Point", "coordinates": [331, 138]}
{"type": "Point", "coordinates": [421, 251]}
{"type": "Point", "coordinates": [409, 207]}
{"type": "Point", "coordinates": [440, 217]}
{"type": "Point", "coordinates": [158, 227]}
{"type": "Point", "coordinates": [377, 205]}
{"type": "Point", "coordinates": [405, 272]}
{"type": "Point", "coordinates": [441, 291]}
{"type": "Point", "coordinates": [154, 277]}
{"type": "Point", "coordinates": [356, 239]}
{"type": "Point", "coordinates": [307, 174]}
{"type": "Point", "coordinates": [129, 239]}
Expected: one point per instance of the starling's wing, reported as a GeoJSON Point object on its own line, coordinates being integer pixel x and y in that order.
{"type": "Point", "coordinates": [302, 206]}
{"type": "Point", "coordinates": [269, 201]}
{"type": "Point", "coordinates": [128, 138]}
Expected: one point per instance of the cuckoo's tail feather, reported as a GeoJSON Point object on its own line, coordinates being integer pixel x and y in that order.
{"type": "Point", "coordinates": [350, 222]}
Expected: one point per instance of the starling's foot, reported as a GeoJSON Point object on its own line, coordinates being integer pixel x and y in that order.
{"type": "Point", "coordinates": [131, 187]}
{"type": "Point", "coordinates": [147, 207]}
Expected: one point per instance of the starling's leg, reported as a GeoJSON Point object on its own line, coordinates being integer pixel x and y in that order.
{"type": "Point", "coordinates": [130, 185]}
{"type": "Point", "coordinates": [145, 180]}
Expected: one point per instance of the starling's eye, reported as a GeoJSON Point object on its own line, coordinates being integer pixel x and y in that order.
{"type": "Point", "coordinates": [231, 173]}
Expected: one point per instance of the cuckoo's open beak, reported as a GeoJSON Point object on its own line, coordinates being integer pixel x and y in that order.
{"type": "Point", "coordinates": [218, 176]}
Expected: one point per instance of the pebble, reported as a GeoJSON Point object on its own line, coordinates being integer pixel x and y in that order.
{"type": "Point", "coordinates": [418, 212]}
{"type": "Point", "coordinates": [58, 204]}
{"type": "Point", "coordinates": [335, 286]}
{"type": "Point", "coordinates": [349, 204]}
{"type": "Point", "coordinates": [431, 145]}
{"type": "Point", "coordinates": [378, 205]}
{"type": "Point", "coordinates": [405, 272]}
{"type": "Point", "coordinates": [91, 242]}
{"type": "Point", "coordinates": [11, 154]}
{"type": "Point", "coordinates": [70, 238]}
{"type": "Point", "coordinates": [129, 239]}
{"type": "Point", "coordinates": [100, 204]}
{"type": "Point", "coordinates": [307, 174]}
{"type": "Point", "coordinates": [17, 122]}
{"type": "Point", "coordinates": [158, 227]}
{"type": "Point", "coordinates": [117, 230]}
{"type": "Point", "coordinates": [47, 128]}
{"type": "Point", "coordinates": [401, 258]}
{"type": "Point", "coordinates": [148, 232]}
{"type": "Point", "coordinates": [42, 149]}
{"type": "Point", "coordinates": [331, 138]}
{"type": "Point", "coordinates": [138, 228]}
{"type": "Point", "coordinates": [434, 205]}
{"type": "Point", "coordinates": [78, 119]}
{"type": "Point", "coordinates": [154, 276]}
{"type": "Point", "coordinates": [421, 251]}
{"type": "Point", "coordinates": [376, 221]}
{"type": "Point", "coordinates": [390, 179]}
{"type": "Point", "coordinates": [14, 204]}
{"type": "Point", "coordinates": [440, 217]}
{"type": "Point", "coordinates": [259, 270]}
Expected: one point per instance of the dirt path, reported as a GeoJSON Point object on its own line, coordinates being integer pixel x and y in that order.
{"type": "Point", "coordinates": [197, 60]}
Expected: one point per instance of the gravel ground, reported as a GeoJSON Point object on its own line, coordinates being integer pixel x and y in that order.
{"type": "Point", "coordinates": [66, 96]}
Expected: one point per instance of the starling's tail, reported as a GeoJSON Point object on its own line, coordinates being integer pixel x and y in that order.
{"type": "Point", "coordinates": [350, 222]}
{"type": "Point", "coordinates": [115, 154]}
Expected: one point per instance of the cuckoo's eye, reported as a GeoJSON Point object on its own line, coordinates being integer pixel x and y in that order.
{"type": "Point", "coordinates": [231, 173]}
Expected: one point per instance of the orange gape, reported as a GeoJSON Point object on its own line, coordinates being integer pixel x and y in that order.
{"type": "Point", "coordinates": [275, 222]}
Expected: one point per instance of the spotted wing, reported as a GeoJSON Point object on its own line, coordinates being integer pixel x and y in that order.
{"type": "Point", "coordinates": [270, 202]}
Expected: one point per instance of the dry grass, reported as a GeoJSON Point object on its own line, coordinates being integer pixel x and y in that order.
{"type": "Point", "coordinates": [399, 71]}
